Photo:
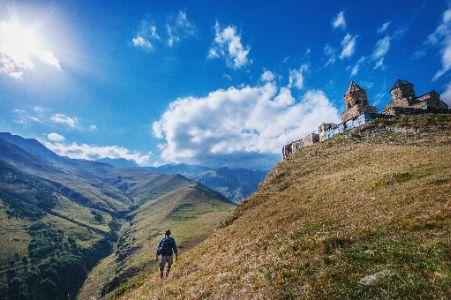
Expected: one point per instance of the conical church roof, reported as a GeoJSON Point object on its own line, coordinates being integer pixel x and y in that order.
{"type": "Point", "coordinates": [353, 87]}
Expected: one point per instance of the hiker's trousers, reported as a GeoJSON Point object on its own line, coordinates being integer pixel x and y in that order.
{"type": "Point", "coordinates": [166, 260]}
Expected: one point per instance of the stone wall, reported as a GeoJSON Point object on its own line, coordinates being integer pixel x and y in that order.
{"type": "Point", "coordinates": [297, 145]}
{"type": "Point", "coordinates": [359, 121]}
{"type": "Point", "coordinates": [403, 102]}
{"type": "Point", "coordinates": [324, 129]}
{"type": "Point", "coordinates": [356, 111]}
{"type": "Point", "coordinates": [396, 111]}
{"type": "Point", "coordinates": [327, 131]}
{"type": "Point", "coordinates": [310, 140]}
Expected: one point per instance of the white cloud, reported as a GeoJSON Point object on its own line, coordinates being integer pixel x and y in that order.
{"type": "Point", "coordinates": [379, 64]}
{"type": "Point", "coordinates": [267, 76]}
{"type": "Point", "coordinates": [94, 152]}
{"type": "Point", "coordinates": [380, 50]}
{"type": "Point", "coordinates": [11, 68]}
{"type": "Point", "coordinates": [154, 32]}
{"type": "Point", "coordinates": [355, 69]}
{"type": "Point", "coordinates": [19, 47]}
{"type": "Point", "coordinates": [250, 124]}
{"type": "Point", "coordinates": [227, 43]}
{"type": "Point", "coordinates": [339, 20]}
{"type": "Point", "coordinates": [348, 45]}
{"type": "Point", "coordinates": [227, 76]}
{"type": "Point", "coordinates": [331, 54]}
{"type": "Point", "coordinates": [174, 29]}
{"type": "Point", "coordinates": [443, 29]}
{"type": "Point", "coordinates": [55, 137]}
{"type": "Point", "coordinates": [367, 84]}
{"type": "Point", "coordinates": [383, 27]}
{"type": "Point", "coordinates": [40, 109]}
{"type": "Point", "coordinates": [71, 122]}
{"type": "Point", "coordinates": [419, 53]}
{"type": "Point", "coordinates": [446, 95]}
{"type": "Point", "coordinates": [24, 117]}
{"type": "Point", "coordinates": [172, 38]}
{"type": "Point", "coordinates": [179, 28]}
{"type": "Point", "coordinates": [49, 58]}
{"type": "Point", "coordinates": [442, 37]}
{"type": "Point", "coordinates": [296, 77]}
{"type": "Point", "coordinates": [139, 41]}
{"type": "Point", "coordinates": [39, 114]}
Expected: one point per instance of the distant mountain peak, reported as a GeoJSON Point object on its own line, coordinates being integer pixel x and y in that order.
{"type": "Point", "coordinates": [236, 184]}
{"type": "Point", "coordinates": [119, 162]}
{"type": "Point", "coordinates": [30, 145]}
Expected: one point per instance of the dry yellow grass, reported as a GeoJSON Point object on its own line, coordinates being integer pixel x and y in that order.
{"type": "Point", "coordinates": [370, 201]}
{"type": "Point", "coordinates": [191, 212]}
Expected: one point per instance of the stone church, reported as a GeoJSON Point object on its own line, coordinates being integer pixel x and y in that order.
{"type": "Point", "coordinates": [404, 100]}
{"type": "Point", "coordinates": [359, 112]}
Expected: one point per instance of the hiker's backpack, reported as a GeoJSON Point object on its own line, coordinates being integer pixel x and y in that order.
{"type": "Point", "coordinates": [165, 246]}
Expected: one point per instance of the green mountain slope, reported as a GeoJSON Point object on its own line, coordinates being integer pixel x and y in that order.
{"type": "Point", "coordinates": [45, 238]}
{"type": "Point", "coordinates": [364, 215]}
{"type": "Point", "coordinates": [235, 184]}
{"type": "Point", "coordinates": [192, 212]}
{"type": "Point", "coordinates": [59, 217]}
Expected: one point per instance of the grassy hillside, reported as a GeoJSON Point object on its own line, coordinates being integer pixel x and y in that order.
{"type": "Point", "coordinates": [43, 235]}
{"type": "Point", "coordinates": [190, 211]}
{"type": "Point", "coordinates": [59, 217]}
{"type": "Point", "coordinates": [13, 238]}
{"type": "Point", "coordinates": [364, 215]}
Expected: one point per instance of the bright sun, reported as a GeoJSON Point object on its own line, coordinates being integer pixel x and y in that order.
{"type": "Point", "coordinates": [19, 45]}
{"type": "Point", "coordinates": [19, 42]}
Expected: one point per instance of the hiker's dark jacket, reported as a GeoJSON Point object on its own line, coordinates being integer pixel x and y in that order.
{"type": "Point", "coordinates": [167, 246]}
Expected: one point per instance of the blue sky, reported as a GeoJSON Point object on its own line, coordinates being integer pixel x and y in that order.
{"type": "Point", "coordinates": [220, 83]}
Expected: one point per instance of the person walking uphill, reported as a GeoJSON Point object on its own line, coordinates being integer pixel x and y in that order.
{"type": "Point", "coordinates": [166, 248]}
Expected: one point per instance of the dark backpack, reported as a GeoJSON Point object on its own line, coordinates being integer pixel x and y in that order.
{"type": "Point", "coordinates": [165, 246]}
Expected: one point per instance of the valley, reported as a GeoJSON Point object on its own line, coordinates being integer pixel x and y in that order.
{"type": "Point", "coordinates": [60, 217]}
{"type": "Point", "coordinates": [191, 211]}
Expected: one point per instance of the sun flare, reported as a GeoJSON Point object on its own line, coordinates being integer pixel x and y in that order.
{"type": "Point", "coordinates": [19, 46]}
{"type": "Point", "coordinates": [19, 43]}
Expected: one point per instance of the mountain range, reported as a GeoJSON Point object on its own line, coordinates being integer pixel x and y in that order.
{"type": "Point", "coordinates": [234, 183]}
{"type": "Point", "coordinates": [62, 217]}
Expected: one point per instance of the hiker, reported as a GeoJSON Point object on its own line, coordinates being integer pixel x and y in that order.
{"type": "Point", "coordinates": [166, 248]}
